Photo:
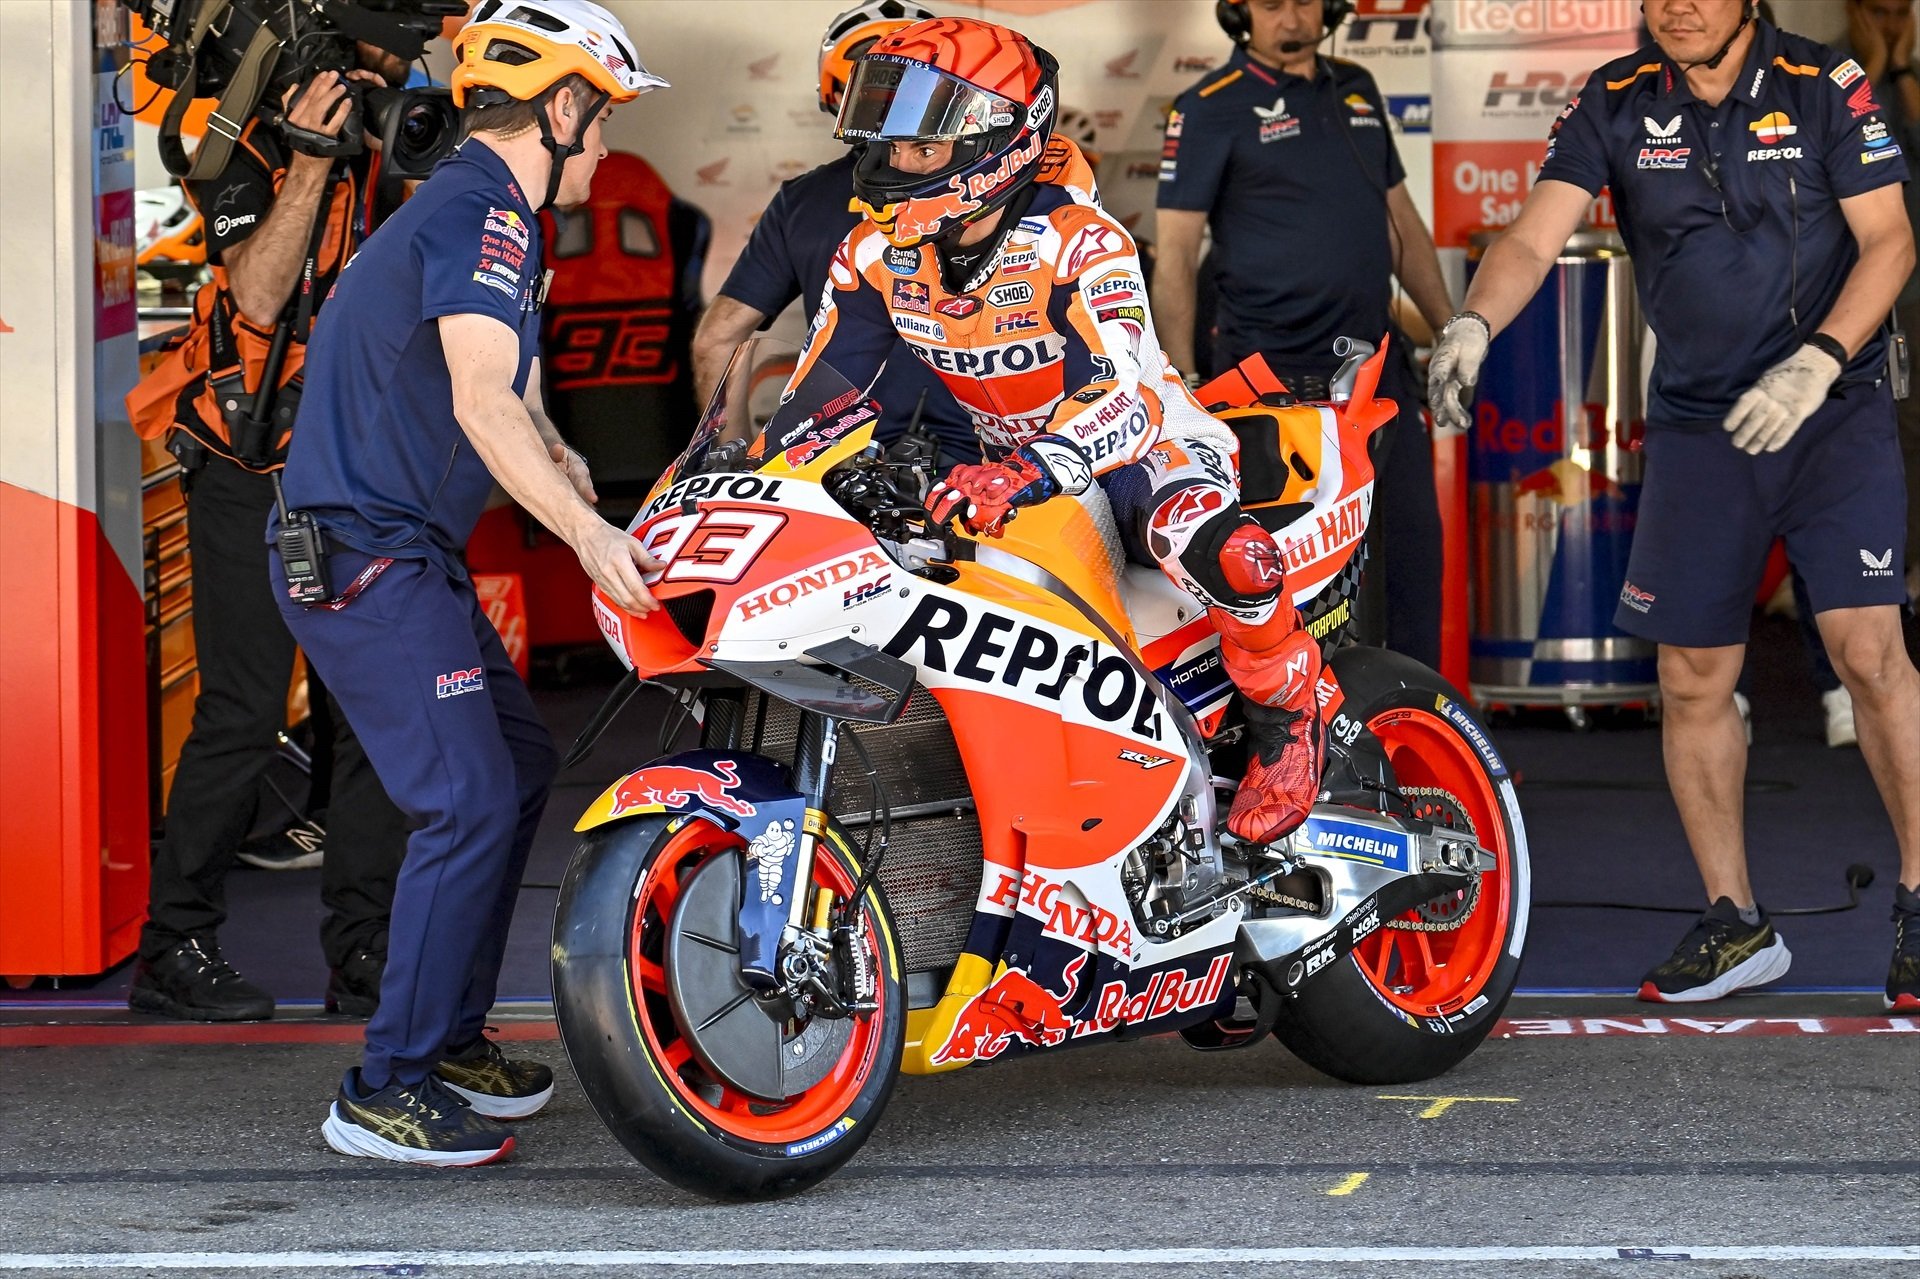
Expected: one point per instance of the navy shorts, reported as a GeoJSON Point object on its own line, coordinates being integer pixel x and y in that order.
{"type": "Point", "coordinates": [1709, 515]}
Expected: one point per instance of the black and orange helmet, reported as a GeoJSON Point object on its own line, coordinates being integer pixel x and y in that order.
{"type": "Point", "coordinates": [851, 34]}
{"type": "Point", "coordinates": [986, 89]}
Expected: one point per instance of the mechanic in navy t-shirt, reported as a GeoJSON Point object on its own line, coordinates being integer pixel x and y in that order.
{"type": "Point", "coordinates": [422, 391]}
{"type": "Point", "coordinates": [1757, 185]}
{"type": "Point", "coordinates": [794, 241]}
{"type": "Point", "coordinates": [1287, 157]}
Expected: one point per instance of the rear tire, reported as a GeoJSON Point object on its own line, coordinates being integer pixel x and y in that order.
{"type": "Point", "coordinates": [1388, 1015]}
{"type": "Point", "coordinates": [618, 1026]}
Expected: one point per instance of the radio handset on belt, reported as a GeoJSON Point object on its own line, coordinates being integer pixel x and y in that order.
{"type": "Point", "coordinates": [1899, 361]}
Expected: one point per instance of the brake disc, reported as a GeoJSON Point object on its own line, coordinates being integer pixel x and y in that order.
{"type": "Point", "coordinates": [1449, 910]}
{"type": "Point", "coordinates": [751, 1043]}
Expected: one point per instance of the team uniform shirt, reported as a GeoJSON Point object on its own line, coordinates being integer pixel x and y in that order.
{"type": "Point", "coordinates": [1731, 213]}
{"type": "Point", "coordinates": [787, 257]}
{"type": "Point", "coordinates": [1293, 174]}
{"type": "Point", "coordinates": [379, 458]}
{"type": "Point", "coordinates": [1055, 340]}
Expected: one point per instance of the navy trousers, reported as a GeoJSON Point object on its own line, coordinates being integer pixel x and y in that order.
{"type": "Point", "coordinates": [453, 735]}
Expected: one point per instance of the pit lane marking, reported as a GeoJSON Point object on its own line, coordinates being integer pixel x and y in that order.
{"type": "Point", "coordinates": [1441, 1105]}
{"type": "Point", "coordinates": [274, 1262]}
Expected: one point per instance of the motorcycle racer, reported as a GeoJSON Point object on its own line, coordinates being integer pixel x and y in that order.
{"type": "Point", "coordinates": [984, 253]}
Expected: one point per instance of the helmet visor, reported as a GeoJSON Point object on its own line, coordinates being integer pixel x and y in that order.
{"type": "Point", "coordinates": [898, 98]}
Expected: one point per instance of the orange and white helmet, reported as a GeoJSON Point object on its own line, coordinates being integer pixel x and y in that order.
{"type": "Point", "coordinates": [985, 88]}
{"type": "Point", "coordinates": [851, 34]}
{"type": "Point", "coordinates": [522, 48]}
{"type": "Point", "coordinates": [168, 231]}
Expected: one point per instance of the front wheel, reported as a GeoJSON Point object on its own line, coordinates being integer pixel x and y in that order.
{"type": "Point", "coordinates": [1416, 997]}
{"type": "Point", "coordinates": [637, 952]}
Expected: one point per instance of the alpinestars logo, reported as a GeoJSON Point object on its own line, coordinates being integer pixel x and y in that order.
{"type": "Point", "coordinates": [1658, 130]}
{"type": "Point", "coordinates": [1877, 565]}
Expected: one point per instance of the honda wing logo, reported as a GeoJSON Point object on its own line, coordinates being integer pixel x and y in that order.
{"type": "Point", "coordinates": [1657, 130]}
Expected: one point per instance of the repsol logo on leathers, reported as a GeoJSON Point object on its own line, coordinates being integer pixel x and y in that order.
{"type": "Point", "coordinates": [992, 648]}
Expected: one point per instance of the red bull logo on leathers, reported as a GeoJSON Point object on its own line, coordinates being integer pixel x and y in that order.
{"type": "Point", "coordinates": [676, 786]}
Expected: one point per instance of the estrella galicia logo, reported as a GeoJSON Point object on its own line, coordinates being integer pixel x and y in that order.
{"type": "Point", "coordinates": [903, 261]}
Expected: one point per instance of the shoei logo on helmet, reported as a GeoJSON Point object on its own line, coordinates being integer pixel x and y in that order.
{"type": "Point", "coordinates": [1042, 107]}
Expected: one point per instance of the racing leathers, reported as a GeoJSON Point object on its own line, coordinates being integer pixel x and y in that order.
{"type": "Point", "coordinates": [1051, 351]}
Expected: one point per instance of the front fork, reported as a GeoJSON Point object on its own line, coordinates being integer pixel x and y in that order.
{"type": "Point", "coordinates": [823, 962]}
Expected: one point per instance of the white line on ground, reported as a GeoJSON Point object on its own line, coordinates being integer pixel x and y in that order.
{"type": "Point", "coordinates": [814, 1259]}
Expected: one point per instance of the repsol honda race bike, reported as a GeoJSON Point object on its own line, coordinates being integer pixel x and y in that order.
{"type": "Point", "coordinates": [957, 799]}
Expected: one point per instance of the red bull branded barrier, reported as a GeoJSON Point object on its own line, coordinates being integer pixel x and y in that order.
{"type": "Point", "coordinates": [1554, 487]}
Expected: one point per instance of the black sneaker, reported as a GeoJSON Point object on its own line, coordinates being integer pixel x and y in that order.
{"type": "Point", "coordinates": [1903, 974]}
{"type": "Point", "coordinates": [191, 981]}
{"type": "Point", "coordinates": [422, 1124]}
{"type": "Point", "coordinates": [494, 1084]}
{"type": "Point", "coordinates": [1722, 954]}
{"type": "Point", "coordinates": [353, 989]}
{"type": "Point", "coordinates": [301, 846]}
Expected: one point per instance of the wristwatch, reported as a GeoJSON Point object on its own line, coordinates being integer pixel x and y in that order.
{"type": "Point", "coordinates": [1897, 72]}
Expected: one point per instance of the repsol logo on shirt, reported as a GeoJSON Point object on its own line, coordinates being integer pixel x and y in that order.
{"type": "Point", "coordinates": [993, 361]}
{"type": "Point", "coordinates": [992, 648]}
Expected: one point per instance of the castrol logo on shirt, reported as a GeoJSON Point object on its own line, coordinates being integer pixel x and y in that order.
{"type": "Point", "coordinates": [996, 360]}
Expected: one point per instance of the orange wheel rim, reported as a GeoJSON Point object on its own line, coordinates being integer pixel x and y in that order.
{"type": "Point", "coordinates": [1436, 974]}
{"type": "Point", "coordinates": [713, 1101]}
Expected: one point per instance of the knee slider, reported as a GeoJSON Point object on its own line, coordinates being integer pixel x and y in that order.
{"type": "Point", "coordinates": [1232, 554]}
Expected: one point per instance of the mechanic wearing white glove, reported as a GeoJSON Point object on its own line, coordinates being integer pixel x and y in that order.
{"type": "Point", "coordinates": [1757, 184]}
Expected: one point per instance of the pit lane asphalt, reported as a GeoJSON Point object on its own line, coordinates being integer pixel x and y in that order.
{"type": "Point", "coordinates": [1617, 1142]}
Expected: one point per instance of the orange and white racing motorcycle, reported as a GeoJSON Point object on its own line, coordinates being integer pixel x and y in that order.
{"type": "Point", "coordinates": [959, 799]}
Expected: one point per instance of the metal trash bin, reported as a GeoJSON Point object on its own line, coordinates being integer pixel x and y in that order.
{"type": "Point", "coordinates": [1554, 488]}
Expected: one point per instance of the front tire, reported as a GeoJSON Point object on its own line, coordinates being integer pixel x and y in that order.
{"type": "Point", "coordinates": [1409, 1004]}
{"type": "Point", "coordinates": [637, 1067]}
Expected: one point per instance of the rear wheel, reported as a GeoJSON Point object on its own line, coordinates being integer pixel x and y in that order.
{"type": "Point", "coordinates": [666, 1041]}
{"type": "Point", "coordinates": [1415, 998]}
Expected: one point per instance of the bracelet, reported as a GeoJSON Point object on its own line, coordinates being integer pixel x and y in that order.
{"type": "Point", "coordinates": [1469, 315]}
{"type": "Point", "coordinates": [1897, 72]}
{"type": "Point", "coordinates": [1829, 345]}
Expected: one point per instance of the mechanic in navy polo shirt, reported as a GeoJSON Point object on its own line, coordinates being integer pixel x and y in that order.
{"type": "Point", "coordinates": [1757, 184]}
{"type": "Point", "coordinates": [1288, 158]}
{"type": "Point", "coordinates": [794, 242]}
{"type": "Point", "coordinates": [422, 391]}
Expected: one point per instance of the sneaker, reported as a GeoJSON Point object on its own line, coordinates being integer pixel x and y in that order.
{"type": "Point", "coordinates": [494, 1084]}
{"type": "Point", "coordinates": [1722, 954]}
{"type": "Point", "coordinates": [419, 1124]}
{"type": "Point", "coordinates": [191, 981]}
{"type": "Point", "coordinates": [301, 846]}
{"type": "Point", "coordinates": [1745, 707]}
{"type": "Point", "coordinates": [1839, 707]}
{"type": "Point", "coordinates": [353, 989]}
{"type": "Point", "coordinates": [1903, 974]}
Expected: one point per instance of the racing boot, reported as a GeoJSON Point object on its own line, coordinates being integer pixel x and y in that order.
{"type": "Point", "coordinates": [1285, 749]}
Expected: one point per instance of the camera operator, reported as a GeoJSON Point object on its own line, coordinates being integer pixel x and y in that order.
{"type": "Point", "coordinates": [261, 214]}
{"type": "Point", "coordinates": [419, 398]}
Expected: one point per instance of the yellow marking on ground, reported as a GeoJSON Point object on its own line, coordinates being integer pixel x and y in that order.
{"type": "Point", "coordinates": [1440, 1105]}
{"type": "Point", "coordinates": [1353, 1182]}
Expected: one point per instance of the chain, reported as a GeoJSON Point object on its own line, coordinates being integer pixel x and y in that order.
{"type": "Point", "coordinates": [1457, 912]}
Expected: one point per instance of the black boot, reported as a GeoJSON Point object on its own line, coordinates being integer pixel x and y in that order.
{"type": "Point", "coordinates": [191, 981]}
{"type": "Point", "coordinates": [353, 989]}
